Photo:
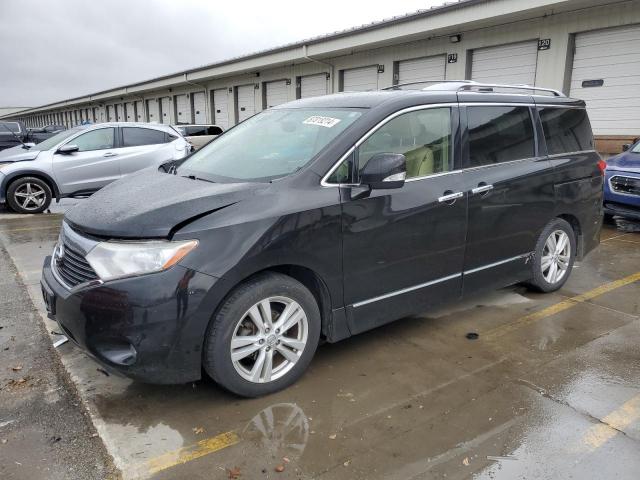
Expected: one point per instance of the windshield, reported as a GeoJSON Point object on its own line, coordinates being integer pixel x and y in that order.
{"type": "Point", "coordinates": [9, 127]}
{"type": "Point", "coordinates": [636, 149]}
{"type": "Point", "coordinates": [272, 144]}
{"type": "Point", "coordinates": [51, 142]}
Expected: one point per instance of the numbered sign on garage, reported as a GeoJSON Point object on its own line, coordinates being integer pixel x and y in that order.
{"type": "Point", "coordinates": [246, 101]}
{"type": "Point", "coordinates": [153, 110]}
{"type": "Point", "coordinates": [514, 63]}
{"type": "Point", "coordinates": [606, 74]}
{"type": "Point", "coordinates": [165, 110]}
{"type": "Point", "coordinates": [313, 85]}
{"type": "Point", "coordinates": [221, 108]}
{"type": "Point", "coordinates": [183, 110]}
{"type": "Point", "coordinates": [426, 69]}
{"type": "Point", "coordinates": [275, 93]}
{"type": "Point", "coordinates": [199, 107]}
{"type": "Point", "coordinates": [360, 79]}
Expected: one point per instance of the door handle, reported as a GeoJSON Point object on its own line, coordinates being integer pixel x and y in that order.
{"type": "Point", "coordinates": [449, 197]}
{"type": "Point", "coordinates": [109, 154]}
{"type": "Point", "coordinates": [481, 188]}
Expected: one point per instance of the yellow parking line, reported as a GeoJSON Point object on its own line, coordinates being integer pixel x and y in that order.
{"type": "Point", "coordinates": [560, 307]}
{"type": "Point", "coordinates": [616, 421]}
{"type": "Point", "coordinates": [191, 452]}
{"type": "Point", "coordinates": [29, 228]}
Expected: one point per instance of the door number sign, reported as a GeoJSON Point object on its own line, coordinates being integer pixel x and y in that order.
{"type": "Point", "coordinates": [544, 44]}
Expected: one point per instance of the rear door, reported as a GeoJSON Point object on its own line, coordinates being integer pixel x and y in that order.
{"type": "Point", "coordinates": [92, 167]}
{"type": "Point", "coordinates": [142, 147]}
{"type": "Point", "coordinates": [403, 249]}
{"type": "Point", "coordinates": [511, 193]}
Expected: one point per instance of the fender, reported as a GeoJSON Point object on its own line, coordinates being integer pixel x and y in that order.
{"type": "Point", "coordinates": [26, 173]}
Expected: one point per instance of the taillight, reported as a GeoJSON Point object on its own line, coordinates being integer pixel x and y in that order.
{"type": "Point", "coordinates": [602, 165]}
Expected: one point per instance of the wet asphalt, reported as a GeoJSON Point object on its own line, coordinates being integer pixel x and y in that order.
{"type": "Point", "coordinates": [550, 389]}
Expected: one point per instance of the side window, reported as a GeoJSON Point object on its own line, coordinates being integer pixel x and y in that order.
{"type": "Point", "coordinates": [136, 136]}
{"type": "Point", "coordinates": [215, 130]}
{"type": "Point", "coordinates": [566, 129]}
{"type": "Point", "coordinates": [344, 173]}
{"type": "Point", "coordinates": [422, 136]}
{"type": "Point", "coordinates": [499, 134]}
{"type": "Point", "coordinates": [100, 139]}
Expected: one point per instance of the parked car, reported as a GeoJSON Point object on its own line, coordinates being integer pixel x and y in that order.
{"type": "Point", "coordinates": [37, 135]}
{"type": "Point", "coordinates": [12, 133]}
{"type": "Point", "coordinates": [199, 135]}
{"type": "Point", "coordinates": [622, 183]}
{"type": "Point", "coordinates": [320, 219]}
{"type": "Point", "coordinates": [81, 160]}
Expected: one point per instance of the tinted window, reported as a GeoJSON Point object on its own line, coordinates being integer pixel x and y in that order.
{"type": "Point", "coordinates": [133, 137]}
{"type": "Point", "coordinates": [499, 134]}
{"type": "Point", "coordinates": [196, 131]}
{"type": "Point", "coordinates": [214, 130]}
{"type": "Point", "coordinates": [566, 130]}
{"type": "Point", "coordinates": [14, 127]}
{"type": "Point", "coordinates": [100, 139]}
{"type": "Point", "coordinates": [423, 137]}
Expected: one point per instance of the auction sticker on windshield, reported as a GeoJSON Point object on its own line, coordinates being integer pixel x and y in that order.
{"type": "Point", "coordinates": [322, 121]}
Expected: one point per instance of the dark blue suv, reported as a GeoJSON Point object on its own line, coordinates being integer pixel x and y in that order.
{"type": "Point", "coordinates": [622, 183]}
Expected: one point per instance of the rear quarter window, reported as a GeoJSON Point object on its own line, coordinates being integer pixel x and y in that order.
{"type": "Point", "coordinates": [136, 136]}
{"type": "Point", "coordinates": [566, 129]}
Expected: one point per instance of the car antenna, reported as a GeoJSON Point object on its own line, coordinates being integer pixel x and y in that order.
{"type": "Point", "coordinates": [24, 145]}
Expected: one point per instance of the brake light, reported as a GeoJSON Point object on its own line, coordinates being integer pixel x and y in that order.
{"type": "Point", "coordinates": [602, 165]}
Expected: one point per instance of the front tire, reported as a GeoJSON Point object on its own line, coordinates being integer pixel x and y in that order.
{"type": "Point", "coordinates": [29, 195]}
{"type": "Point", "coordinates": [263, 337]}
{"type": "Point", "coordinates": [554, 256]}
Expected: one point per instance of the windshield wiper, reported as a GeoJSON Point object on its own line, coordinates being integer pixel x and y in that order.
{"type": "Point", "coordinates": [193, 177]}
{"type": "Point", "coordinates": [16, 137]}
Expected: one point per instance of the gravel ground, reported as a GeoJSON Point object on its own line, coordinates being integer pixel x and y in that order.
{"type": "Point", "coordinates": [45, 433]}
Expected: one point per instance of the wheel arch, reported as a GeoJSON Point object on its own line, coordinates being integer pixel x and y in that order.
{"type": "Point", "coordinates": [45, 177]}
{"type": "Point", "coordinates": [577, 230]}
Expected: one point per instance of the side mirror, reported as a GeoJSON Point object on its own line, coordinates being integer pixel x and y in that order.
{"type": "Point", "coordinates": [626, 147]}
{"type": "Point", "coordinates": [68, 149]}
{"type": "Point", "coordinates": [384, 171]}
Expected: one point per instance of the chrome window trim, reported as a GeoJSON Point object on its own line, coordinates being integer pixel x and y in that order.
{"type": "Point", "coordinates": [497, 104]}
{"type": "Point", "coordinates": [550, 105]}
{"type": "Point", "coordinates": [500, 164]}
{"type": "Point", "coordinates": [496, 264]}
{"type": "Point", "coordinates": [370, 132]}
{"type": "Point", "coordinates": [616, 192]}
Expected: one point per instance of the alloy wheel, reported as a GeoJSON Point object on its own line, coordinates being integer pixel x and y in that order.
{"type": "Point", "coordinates": [30, 196]}
{"type": "Point", "coordinates": [556, 256]}
{"type": "Point", "coordinates": [269, 339]}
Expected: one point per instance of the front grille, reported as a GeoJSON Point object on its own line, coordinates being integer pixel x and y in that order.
{"type": "Point", "coordinates": [625, 185]}
{"type": "Point", "coordinates": [72, 266]}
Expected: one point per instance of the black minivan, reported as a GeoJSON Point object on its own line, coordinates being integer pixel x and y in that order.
{"type": "Point", "coordinates": [320, 219]}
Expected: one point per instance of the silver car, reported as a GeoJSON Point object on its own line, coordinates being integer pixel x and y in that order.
{"type": "Point", "coordinates": [81, 160]}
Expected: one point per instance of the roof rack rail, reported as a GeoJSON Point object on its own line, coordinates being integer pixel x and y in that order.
{"type": "Point", "coordinates": [434, 82]}
{"type": "Point", "coordinates": [490, 86]}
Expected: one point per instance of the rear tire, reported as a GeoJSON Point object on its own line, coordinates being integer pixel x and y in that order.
{"type": "Point", "coordinates": [29, 195]}
{"type": "Point", "coordinates": [554, 256]}
{"type": "Point", "coordinates": [263, 337]}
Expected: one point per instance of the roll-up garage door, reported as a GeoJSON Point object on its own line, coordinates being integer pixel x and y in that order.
{"type": "Point", "coordinates": [153, 110]}
{"type": "Point", "coordinates": [606, 74]}
{"type": "Point", "coordinates": [130, 112]}
{"type": "Point", "coordinates": [426, 69]}
{"type": "Point", "coordinates": [165, 110]}
{"type": "Point", "coordinates": [199, 107]}
{"type": "Point", "coordinates": [506, 64]}
{"type": "Point", "coordinates": [221, 108]}
{"type": "Point", "coordinates": [246, 101]}
{"type": "Point", "coordinates": [120, 112]}
{"type": "Point", "coordinates": [360, 79]}
{"type": "Point", "coordinates": [275, 93]}
{"type": "Point", "coordinates": [111, 117]}
{"type": "Point", "coordinates": [139, 111]}
{"type": "Point", "coordinates": [313, 85]}
{"type": "Point", "coordinates": [183, 112]}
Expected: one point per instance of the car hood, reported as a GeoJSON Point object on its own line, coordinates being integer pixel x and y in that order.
{"type": "Point", "coordinates": [18, 154]}
{"type": "Point", "coordinates": [151, 204]}
{"type": "Point", "coordinates": [628, 162]}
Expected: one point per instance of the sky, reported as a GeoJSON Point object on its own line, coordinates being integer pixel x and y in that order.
{"type": "Point", "coordinates": [54, 50]}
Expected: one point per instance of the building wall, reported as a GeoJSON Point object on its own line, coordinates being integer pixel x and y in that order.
{"type": "Point", "coordinates": [553, 68]}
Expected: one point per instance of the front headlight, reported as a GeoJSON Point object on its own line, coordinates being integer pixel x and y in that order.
{"type": "Point", "coordinates": [112, 260]}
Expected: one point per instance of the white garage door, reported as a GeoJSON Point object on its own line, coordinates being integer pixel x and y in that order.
{"type": "Point", "coordinates": [246, 101]}
{"type": "Point", "coordinates": [426, 69]}
{"type": "Point", "coordinates": [221, 108]}
{"type": "Point", "coordinates": [165, 110]}
{"type": "Point", "coordinates": [139, 111]}
{"type": "Point", "coordinates": [313, 85]}
{"type": "Point", "coordinates": [199, 107]}
{"type": "Point", "coordinates": [111, 117]}
{"type": "Point", "coordinates": [130, 112]}
{"type": "Point", "coordinates": [360, 79]}
{"type": "Point", "coordinates": [611, 58]}
{"type": "Point", "coordinates": [183, 111]}
{"type": "Point", "coordinates": [153, 110]}
{"type": "Point", "coordinates": [120, 112]}
{"type": "Point", "coordinates": [506, 64]}
{"type": "Point", "coordinates": [276, 93]}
